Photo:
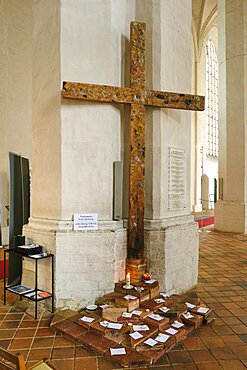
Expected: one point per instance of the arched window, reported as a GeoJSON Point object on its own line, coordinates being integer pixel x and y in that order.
{"type": "Point", "coordinates": [212, 99]}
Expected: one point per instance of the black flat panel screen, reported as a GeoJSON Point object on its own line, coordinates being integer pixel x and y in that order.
{"type": "Point", "coordinates": [19, 211]}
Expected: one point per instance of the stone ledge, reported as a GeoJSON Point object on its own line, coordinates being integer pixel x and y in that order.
{"type": "Point", "coordinates": [67, 225]}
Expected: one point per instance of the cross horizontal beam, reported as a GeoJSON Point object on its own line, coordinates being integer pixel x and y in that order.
{"type": "Point", "coordinates": [127, 95]}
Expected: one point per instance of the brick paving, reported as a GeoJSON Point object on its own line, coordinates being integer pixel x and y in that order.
{"type": "Point", "coordinates": [222, 286]}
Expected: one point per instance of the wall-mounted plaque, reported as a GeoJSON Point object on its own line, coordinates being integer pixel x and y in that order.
{"type": "Point", "coordinates": [85, 221]}
{"type": "Point", "coordinates": [176, 179]}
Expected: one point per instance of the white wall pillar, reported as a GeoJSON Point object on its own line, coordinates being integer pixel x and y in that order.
{"type": "Point", "coordinates": [231, 211]}
{"type": "Point", "coordinates": [172, 262]}
{"type": "Point", "coordinates": [76, 144]}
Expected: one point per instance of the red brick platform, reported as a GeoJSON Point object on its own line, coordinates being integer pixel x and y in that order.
{"type": "Point", "coordinates": [133, 327]}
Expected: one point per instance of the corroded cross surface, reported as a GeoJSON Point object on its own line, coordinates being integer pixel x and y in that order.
{"type": "Point", "coordinates": [138, 96]}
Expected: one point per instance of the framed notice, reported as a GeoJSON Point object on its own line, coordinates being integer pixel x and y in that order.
{"type": "Point", "coordinates": [176, 179]}
{"type": "Point", "coordinates": [85, 221]}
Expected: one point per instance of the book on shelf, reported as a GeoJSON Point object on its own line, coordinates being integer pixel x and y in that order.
{"type": "Point", "coordinates": [33, 294]}
{"type": "Point", "coordinates": [20, 289]}
{"type": "Point", "coordinates": [44, 295]}
{"type": "Point", "coordinates": [40, 294]}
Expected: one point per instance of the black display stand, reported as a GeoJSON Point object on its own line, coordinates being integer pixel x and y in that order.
{"type": "Point", "coordinates": [35, 297]}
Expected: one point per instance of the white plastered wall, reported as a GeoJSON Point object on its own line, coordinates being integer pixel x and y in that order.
{"type": "Point", "coordinates": [164, 228]}
{"type": "Point", "coordinates": [15, 90]}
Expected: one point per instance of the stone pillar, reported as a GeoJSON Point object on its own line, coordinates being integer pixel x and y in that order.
{"type": "Point", "coordinates": [75, 146]}
{"type": "Point", "coordinates": [205, 191]}
{"type": "Point", "coordinates": [171, 235]}
{"type": "Point", "coordinates": [231, 211]}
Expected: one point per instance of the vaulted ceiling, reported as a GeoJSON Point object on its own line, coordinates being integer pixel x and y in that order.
{"type": "Point", "coordinates": [202, 12]}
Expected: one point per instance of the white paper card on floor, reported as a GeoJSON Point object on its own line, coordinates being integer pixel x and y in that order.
{"type": "Point", "coordinates": [136, 312]}
{"type": "Point", "coordinates": [202, 310]}
{"type": "Point", "coordinates": [190, 305]}
{"type": "Point", "coordinates": [162, 338]}
{"type": "Point", "coordinates": [140, 327]}
{"type": "Point", "coordinates": [171, 331]}
{"type": "Point", "coordinates": [136, 335]}
{"type": "Point", "coordinates": [87, 319]}
{"type": "Point", "coordinates": [155, 317]}
{"type": "Point", "coordinates": [177, 324]}
{"type": "Point", "coordinates": [187, 316]}
{"type": "Point", "coordinates": [118, 351]}
{"type": "Point", "coordinates": [112, 325]}
{"type": "Point", "coordinates": [150, 342]}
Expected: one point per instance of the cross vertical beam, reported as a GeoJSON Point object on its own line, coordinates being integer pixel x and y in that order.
{"type": "Point", "coordinates": [137, 144]}
{"type": "Point", "coordinates": [138, 97]}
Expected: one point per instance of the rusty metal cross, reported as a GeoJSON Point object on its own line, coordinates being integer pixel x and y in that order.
{"type": "Point", "coordinates": [138, 97]}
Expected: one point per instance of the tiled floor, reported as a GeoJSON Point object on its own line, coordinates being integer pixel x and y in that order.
{"type": "Point", "coordinates": [222, 286]}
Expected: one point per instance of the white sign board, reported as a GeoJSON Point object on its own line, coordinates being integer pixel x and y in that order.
{"type": "Point", "coordinates": [176, 179]}
{"type": "Point", "coordinates": [85, 221]}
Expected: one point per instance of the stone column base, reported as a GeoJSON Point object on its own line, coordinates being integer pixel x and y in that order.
{"type": "Point", "coordinates": [230, 216]}
{"type": "Point", "coordinates": [87, 263]}
{"type": "Point", "coordinates": [172, 250]}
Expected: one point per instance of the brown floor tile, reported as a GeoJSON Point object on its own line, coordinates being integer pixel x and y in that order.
{"type": "Point", "coordinates": [231, 320]}
{"type": "Point", "coordinates": [39, 354]}
{"type": "Point", "coordinates": [163, 361]}
{"type": "Point", "coordinates": [14, 316]}
{"type": "Point", "coordinates": [212, 342]}
{"type": "Point", "coordinates": [13, 324]}
{"type": "Point", "coordinates": [63, 352]}
{"type": "Point", "coordinates": [43, 342]}
{"type": "Point", "coordinates": [201, 355]}
{"type": "Point", "coordinates": [208, 366]}
{"type": "Point", "coordinates": [4, 309]}
{"type": "Point", "coordinates": [221, 344]}
{"type": "Point", "coordinates": [223, 313]}
{"type": "Point", "coordinates": [243, 319]}
{"type": "Point", "coordinates": [177, 357]}
{"type": "Point", "coordinates": [45, 323]}
{"type": "Point", "coordinates": [25, 333]}
{"type": "Point", "coordinates": [205, 331]}
{"type": "Point", "coordinates": [105, 364]}
{"type": "Point", "coordinates": [184, 367]}
{"type": "Point", "coordinates": [21, 343]}
{"type": "Point", "coordinates": [193, 343]}
{"type": "Point", "coordinates": [28, 324]}
{"type": "Point", "coordinates": [232, 340]}
{"type": "Point", "coordinates": [222, 353]}
{"type": "Point", "coordinates": [222, 330]}
{"type": "Point", "coordinates": [240, 352]}
{"type": "Point", "coordinates": [5, 343]}
{"type": "Point", "coordinates": [7, 334]}
{"type": "Point", "coordinates": [62, 341]}
{"type": "Point", "coordinates": [63, 364]}
{"type": "Point", "coordinates": [232, 365]}
{"type": "Point", "coordinates": [239, 299]}
{"type": "Point", "coordinates": [29, 318]}
{"type": "Point", "coordinates": [81, 351]}
{"type": "Point", "coordinates": [89, 363]}
{"type": "Point", "coordinates": [239, 312]}
{"type": "Point", "coordinates": [243, 338]}
{"type": "Point", "coordinates": [224, 299]}
{"type": "Point", "coordinates": [230, 305]}
{"type": "Point", "coordinates": [239, 329]}
{"type": "Point", "coordinates": [45, 332]}
{"type": "Point", "coordinates": [217, 322]}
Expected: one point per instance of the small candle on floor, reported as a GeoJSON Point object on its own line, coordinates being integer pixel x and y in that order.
{"type": "Point", "coordinates": [128, 279]}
